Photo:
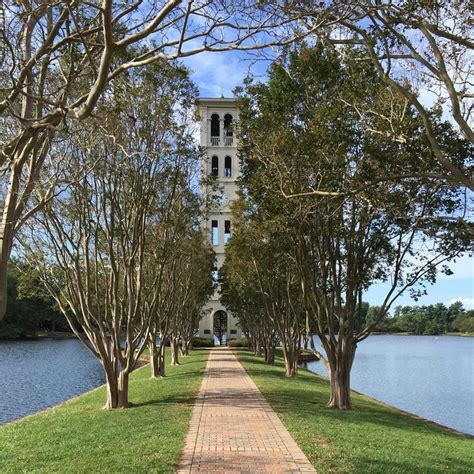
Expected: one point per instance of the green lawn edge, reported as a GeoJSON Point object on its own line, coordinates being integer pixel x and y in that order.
{"type": "Point", "coordinates": [371, 438]}
{"type": "Point", "coordinates": [79, 436]}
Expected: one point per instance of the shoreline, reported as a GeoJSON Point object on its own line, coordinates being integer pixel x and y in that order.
{"type": "Point", "coordinates": [373, 437]}
{"type": "Point", "coordinates": [142, 362]}
{"type": "Point", "coordinates": [400, 410]}
{"type": "Point", "coordinates": [78, 435]}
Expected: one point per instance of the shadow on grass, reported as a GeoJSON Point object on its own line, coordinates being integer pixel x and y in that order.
{"type": "Point", "coordinates": [312, 390]}
{"type": "Point", "coordinates": [370, 438]}
{"type": "Point", "coordinates": [174, 399]}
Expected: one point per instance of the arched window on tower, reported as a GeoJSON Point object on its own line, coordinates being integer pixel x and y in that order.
{"type": "Point", "coordinates": [227, 166]}
{"type": "Point", "coordinates": [215, 166]}
{"type": "Point", "coordinates": [228, 132]}
{"type": "Point", "coordinates": [228, 125]}
{"type": "Point", "coordinates": [215, 133]}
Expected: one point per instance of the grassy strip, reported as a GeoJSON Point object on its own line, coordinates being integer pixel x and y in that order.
{"type": "Point", "coordinates": [371, 438]}
{"type": "Point", "coordinates": [79, 436]}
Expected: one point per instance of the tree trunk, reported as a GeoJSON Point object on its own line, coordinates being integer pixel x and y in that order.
{"type": "Point", "coordinates": [123, 390]}
{"type": "Point", "coordinates": [117, 387]}
{"type": "Point", "coordinates": [251, 343]}
{"type": "Point", "coordinates": [174, 352]}
{"type": "Point", "coordinates": [257, 350]}
{"type": "Point", "coordinates": [291, 366]}
{"type": "Point", "coordinates": [340, 379]}
{"type": "Point", "coordinates": [290, 353]}
{"type": "Point", "coordinates": [184, 347]}
{"type": "Point", "coordinates": [154, 360]}
{"type": "Point", "coordinates": [112, 390]}
{"type": "Point", "coordinates": [269, 353]}
{"type": "Point", "coordinates": [4, 256]}
{"type": "Point", "coordinates": [161, 359]}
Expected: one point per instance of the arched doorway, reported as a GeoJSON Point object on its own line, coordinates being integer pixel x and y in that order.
{"type": "Point", "coordinates": [220, 326]}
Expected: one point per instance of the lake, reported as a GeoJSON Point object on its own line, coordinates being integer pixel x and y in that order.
{"type": "Point", "coordinates": [38, 374]}
{"type": "Point", "coordinates": [431, 376]}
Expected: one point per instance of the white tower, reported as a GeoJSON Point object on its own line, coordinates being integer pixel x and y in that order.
{"type": "Point", "coordinates": [219, 160]}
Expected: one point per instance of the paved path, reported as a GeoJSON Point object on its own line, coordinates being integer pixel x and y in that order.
{"type": "Point", "coordinates": [234, 429]}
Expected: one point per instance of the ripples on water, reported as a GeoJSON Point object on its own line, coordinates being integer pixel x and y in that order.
{"type": "Point", "coordinates": [431, 376]}
{"type": "Point", "coordinates": [38, 374]}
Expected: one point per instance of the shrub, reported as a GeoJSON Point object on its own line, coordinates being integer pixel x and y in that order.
{"type": "Point", "coordinates": [464, 322]}
{"type": "Point", "coordinates": [239, 342]}
{"type": "Point", "coordinates": [203, 342]}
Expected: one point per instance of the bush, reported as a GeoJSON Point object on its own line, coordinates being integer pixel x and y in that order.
{"type": "Point", "coordinates": [203, 342]}
{"type": "Point", "coordinates": [239, 342]}
{"type": "Point", "coordinates": [464, 322]}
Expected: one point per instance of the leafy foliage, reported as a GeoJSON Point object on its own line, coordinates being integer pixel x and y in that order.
{"type": "Point", "coordinates": [29, 310]}
{"type": "Point", "coordinates": [353, 200]}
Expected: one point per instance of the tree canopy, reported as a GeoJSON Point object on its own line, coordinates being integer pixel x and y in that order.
{"type": "Point", "coordinates": [357, 207]}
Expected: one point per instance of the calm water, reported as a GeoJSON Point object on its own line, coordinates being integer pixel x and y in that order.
{"type": "Point", "coordinates": [430, 376]}
{"type": "Point", "coordinates": [38, 374]}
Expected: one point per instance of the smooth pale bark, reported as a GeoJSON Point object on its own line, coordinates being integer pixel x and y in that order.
{"type": "Point", "coordinates": [123, 389]}
{"type": "Point", "coordinates": [174, 351]}
{"type": "Point", "coordinates": [340, 364]}
{"type": "Point", "coordinates": [112, 389]}
{"type": "Point", "coordinates": [184, 347]}
{"type": "Point", "coordinates": [290, 354]}
{"type": "Point", "coordinates": [154, 360]}
{"type": "Point", "coordinates": [117, 386]}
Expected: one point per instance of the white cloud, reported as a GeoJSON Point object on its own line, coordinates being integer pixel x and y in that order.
{"type": "Point", "coordinates": [468, 303]}
{"type": "Point", "coordinates": [463, 267]}
{"type": "Point", "coordinates": [216, 73]}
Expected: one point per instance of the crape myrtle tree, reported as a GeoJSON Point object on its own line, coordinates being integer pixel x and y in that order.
{"type": "Point", "coordinates": [58, 58]}
{"type": "Point", "coordinates": [170, 258]}
{"type": "Point", "coordinates": [194, 286]}
{"type": "Point", "coordinates": [422, 50]}
{"type": "Point", "coordinates": [310, 163]}
{"type": "Point", "coordinates": [259, 259]}
{"type": "Point", "coordinates": [175, 219]}
{"type": "Point", "coordinates": [245, 303]}
{"type": "Point", "coordinates": [240, 293]}
{"type": "Point", "coordinates": [91, 244]}
{"type": "Point", "coordinates": [185, 285]}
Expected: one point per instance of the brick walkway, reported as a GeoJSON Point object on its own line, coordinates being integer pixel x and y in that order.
{"type": "Point", "coordinates": [234, 429]}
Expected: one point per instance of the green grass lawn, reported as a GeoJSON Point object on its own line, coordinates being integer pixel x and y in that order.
{"type": "Point", "coordinates": [369, 438]}
{"type": "Point", "coordinates": [79, 436]}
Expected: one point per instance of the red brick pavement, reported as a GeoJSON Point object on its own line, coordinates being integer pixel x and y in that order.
{"type": "Point", "coordinates": [234, 429]}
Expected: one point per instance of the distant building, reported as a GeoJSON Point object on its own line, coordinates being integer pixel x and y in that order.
{"type": "Point", "coordinates": [219, 160]}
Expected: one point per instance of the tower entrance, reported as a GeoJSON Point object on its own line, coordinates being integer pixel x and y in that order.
{"type": "Point", "coordinates": [220, 326]}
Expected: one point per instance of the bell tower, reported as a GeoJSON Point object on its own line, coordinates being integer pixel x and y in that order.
{"type": "Point", "coordinates": [218, 140]}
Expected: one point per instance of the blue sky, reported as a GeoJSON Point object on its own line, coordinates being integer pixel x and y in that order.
{"type": "Point", "coordinates": [220, 73]}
